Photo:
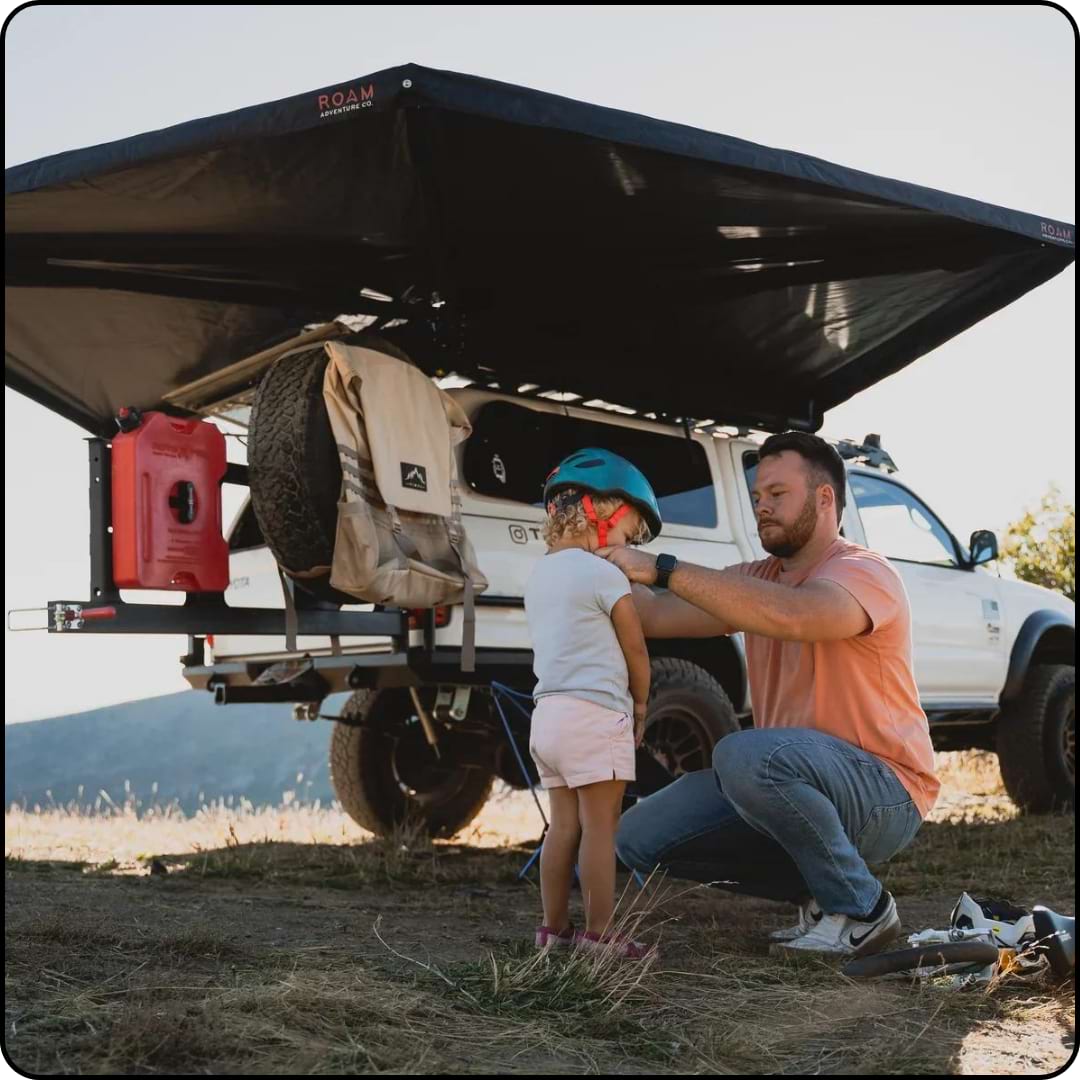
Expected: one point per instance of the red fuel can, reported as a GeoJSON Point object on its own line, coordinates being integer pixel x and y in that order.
{"type": "Point", "coordinates": [166, 506]}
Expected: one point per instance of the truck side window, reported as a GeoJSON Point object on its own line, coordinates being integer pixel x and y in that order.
{"type": "Point", "coordinates": [899, 526]}
{"type": "Point", "coordinates": [513, 448]}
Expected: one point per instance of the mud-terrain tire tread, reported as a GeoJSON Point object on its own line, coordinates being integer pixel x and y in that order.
{"type": "Point", "coordinates": [701, 695]}
{"type": "Point", "coordinates": [364, 785]}
{"type": "Point", "coordinates": [1026, 745]}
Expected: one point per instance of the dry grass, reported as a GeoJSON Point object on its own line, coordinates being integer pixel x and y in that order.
{"type": "Point", "coordinates": [511, 1011]}
{"type": "Point", "coordinates": [971, 788]}
{"type": "Point", "coordinates": [976, 840]}
{"type": "Point", "coordinates": [126, 836]}
{"type": "Point", "coordinates": [286, 941]}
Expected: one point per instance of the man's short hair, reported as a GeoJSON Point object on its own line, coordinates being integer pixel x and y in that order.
{"type": "Point", "coordinates": [823, 462]}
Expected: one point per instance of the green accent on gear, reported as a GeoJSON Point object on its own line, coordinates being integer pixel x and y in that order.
{"type": "Point", "coordinates": [600, 472]}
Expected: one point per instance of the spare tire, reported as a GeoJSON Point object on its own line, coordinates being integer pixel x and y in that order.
{"type": "Point", "coordinates": [293, 466]}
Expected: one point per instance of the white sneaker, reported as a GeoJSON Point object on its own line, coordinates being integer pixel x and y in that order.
{"type": "Point", "coordinates": [809, 916]}
{"type": "Point", "coordinates": [840, 935]}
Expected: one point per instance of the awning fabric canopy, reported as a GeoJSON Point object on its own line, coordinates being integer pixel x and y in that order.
{"type": "Point", "coordinates": [523, 237]}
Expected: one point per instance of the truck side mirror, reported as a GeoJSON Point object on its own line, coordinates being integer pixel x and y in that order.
{"type": "Point", "coordinates": [984, 547]}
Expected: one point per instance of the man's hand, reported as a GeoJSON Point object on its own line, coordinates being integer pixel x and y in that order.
{"type": "Point", "coordinates": [639, 722]}
{"type": "Point", "coordinates": [638, 566]}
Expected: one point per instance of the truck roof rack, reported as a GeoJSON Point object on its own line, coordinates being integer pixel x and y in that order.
{"type": "Point", "coordinates": [868, 452]}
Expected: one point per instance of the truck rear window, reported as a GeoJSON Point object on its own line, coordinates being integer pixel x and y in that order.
{"type": "Point", "coordinates": [513, 448]}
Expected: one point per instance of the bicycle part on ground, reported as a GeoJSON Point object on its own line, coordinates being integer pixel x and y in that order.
{"type": "Point", "coordinates": [1011, 926]}
{"type": "Point", "coordinates": [940, 937]}
{"type": "Point", "coordinates": [976, 948]}
{"type": "Point", "coordinates": [925, 958]}
{"type": "Point", "coordinates": [1057, 934]}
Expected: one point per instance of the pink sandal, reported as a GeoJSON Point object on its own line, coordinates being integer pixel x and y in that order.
{"type": "Point", "coordinates": [620, 945]}
{"type": "Point", "coordinates": [547, 938]}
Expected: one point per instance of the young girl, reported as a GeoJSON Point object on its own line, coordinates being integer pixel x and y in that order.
{"type": "Point", "coordinates": [592, 671]}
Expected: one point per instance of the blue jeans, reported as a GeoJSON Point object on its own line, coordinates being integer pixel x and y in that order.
{"type": "Point", "coordinates": [784, 813]}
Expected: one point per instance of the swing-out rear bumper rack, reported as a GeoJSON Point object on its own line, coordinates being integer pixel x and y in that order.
{"type": "Point", "coordinates": [306, 679]}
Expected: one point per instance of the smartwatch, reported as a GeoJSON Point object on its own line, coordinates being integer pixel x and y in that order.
{"type": "Point", "coordinates": [665, 564]}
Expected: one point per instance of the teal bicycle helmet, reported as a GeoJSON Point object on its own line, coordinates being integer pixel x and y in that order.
{"type": "Point", "coordinates": [600, 472]}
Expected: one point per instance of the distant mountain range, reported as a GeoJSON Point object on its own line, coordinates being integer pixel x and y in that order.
{"type": "Point", "coordinates": [183, 742]}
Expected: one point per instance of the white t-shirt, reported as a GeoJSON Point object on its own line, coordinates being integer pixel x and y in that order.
{"type": "Point", "coordinates": [568, 602]}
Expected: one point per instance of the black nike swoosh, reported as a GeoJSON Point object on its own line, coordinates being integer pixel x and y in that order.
{"type": "Point", "coordinates": [857, 941]}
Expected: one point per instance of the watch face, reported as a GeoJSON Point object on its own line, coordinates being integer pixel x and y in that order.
{"type": "Point", "coordinates": [666, 563]}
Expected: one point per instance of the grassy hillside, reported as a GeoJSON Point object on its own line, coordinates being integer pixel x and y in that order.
{"type": "Point", "coordinates": [184, 743]}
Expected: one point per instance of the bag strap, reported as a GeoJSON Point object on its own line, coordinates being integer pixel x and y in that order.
{"type": "Point", "coordinates": [455, 531]}
{"type": "Point", "coordinates": [287, 588]}
{"type": "Point", "coordinates": [401, 538]}
{"type": "Point", "coordinates": [291, 623]}
{"type": "Point", "coordinates": [468, 629]}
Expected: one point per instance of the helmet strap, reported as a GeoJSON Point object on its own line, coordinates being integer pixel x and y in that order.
{"type": "Point", "coordinates": [602, 526]}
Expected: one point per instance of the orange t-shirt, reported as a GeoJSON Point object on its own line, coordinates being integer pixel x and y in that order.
{"type": "Point", "coordinates": [861, 689]}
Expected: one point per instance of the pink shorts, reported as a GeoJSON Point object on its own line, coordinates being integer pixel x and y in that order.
{"type": "Point", "coordinates": [577, 742]}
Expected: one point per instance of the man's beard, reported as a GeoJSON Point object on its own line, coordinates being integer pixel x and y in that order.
{"type": "Point", "coordinates": [791, 539]}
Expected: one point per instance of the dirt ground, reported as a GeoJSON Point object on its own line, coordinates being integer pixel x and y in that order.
{"type": "Point", "coordinates": [320, 954]}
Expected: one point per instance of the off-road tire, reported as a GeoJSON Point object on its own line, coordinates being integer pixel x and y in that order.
{"type": "Point", "coordinates": [1036, 740]}
{"type": "Point", "coordinates": [362, 750]}
{"type": "Point", "coordinates": [685, 696]}
{"type": "Point", "coordinates": [293, 466]}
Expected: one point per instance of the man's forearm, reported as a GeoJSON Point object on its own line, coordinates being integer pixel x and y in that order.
{"type": "Point", "coordinates": [701, 602]}
{"type": "Point", "coordinates": [665, 615]}
{"type": "Point", "coordinates": [744, 603]}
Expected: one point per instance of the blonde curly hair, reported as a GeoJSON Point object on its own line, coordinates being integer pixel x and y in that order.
{"type": "Point", "coordinates": [569, 520]}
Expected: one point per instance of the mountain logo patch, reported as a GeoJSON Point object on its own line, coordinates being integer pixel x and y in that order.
{"type": "Point", "coordinates": [413, 476]}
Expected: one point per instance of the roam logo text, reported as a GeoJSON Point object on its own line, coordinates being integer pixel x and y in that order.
{"type": "Point", "coordinates": [1060, 233]}
{"type": "Point", "coordinates": [342, 101]}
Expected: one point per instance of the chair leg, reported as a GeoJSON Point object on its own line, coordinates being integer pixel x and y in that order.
{"type": "Point", "coordinates": [533, 858]}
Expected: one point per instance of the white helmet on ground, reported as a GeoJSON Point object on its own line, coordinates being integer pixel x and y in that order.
{"type": "Point", "coordinates": [1010, 925]}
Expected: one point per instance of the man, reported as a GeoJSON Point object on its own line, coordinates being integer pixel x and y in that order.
{"type": "Point", "coordinates": [838, 768]}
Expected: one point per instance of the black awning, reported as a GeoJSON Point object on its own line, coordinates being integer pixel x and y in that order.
{"type": "Point", "coordinates": [524, 237]}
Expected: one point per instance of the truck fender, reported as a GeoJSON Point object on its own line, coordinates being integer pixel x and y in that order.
{"type": "Point", "coordinates": [1034, 629]}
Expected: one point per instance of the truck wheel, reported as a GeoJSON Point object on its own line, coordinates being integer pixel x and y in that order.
{"type": "Point", "coordinates": [689, 713]}
{"type": "Point", "coordinates": [384, 772]}
{"type": "Point", "coordinates": [293, 466]}
{"type": "Point", "coordinates": [1036, 740]}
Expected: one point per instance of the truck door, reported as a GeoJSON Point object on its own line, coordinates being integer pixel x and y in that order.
{"type": "Point", "coordinates": [957, 616]}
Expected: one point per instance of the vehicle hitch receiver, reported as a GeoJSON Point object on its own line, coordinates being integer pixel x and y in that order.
{"type": "Point", "coordinates": [74, 616]}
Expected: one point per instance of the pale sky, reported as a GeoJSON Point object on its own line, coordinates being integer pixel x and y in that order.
{"type": "Point", "coordinates": [978, 101]}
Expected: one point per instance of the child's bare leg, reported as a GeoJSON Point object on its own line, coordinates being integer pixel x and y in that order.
{"type": "Point", "coordinates": [558, 856]}
{"type": "Point", "coordinates": [599, 806]}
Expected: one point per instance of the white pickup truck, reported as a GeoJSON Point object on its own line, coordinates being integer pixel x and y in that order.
{"type": "Point", "coordinates": [994, 658]}
{"type": "Point", "coordinates": [512, 238]}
